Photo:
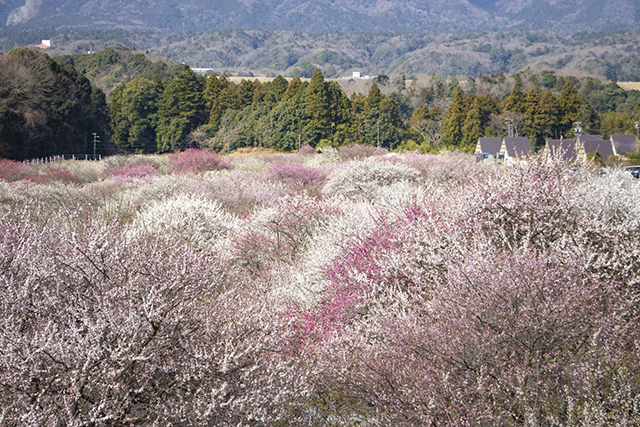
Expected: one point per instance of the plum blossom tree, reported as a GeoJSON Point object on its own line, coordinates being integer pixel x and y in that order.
{"type": "Point", "coordinates": [362, 179]}
{"type": "Point", "coordinates": [501, 305]}
{"type": "Point", "coordinates": [100, 328]}
{"type": "Point", "coordinates": [414, 290]}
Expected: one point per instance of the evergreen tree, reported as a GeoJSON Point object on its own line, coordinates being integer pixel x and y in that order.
{"type": "Point", "coordinates": [260, 94]}
{"type": "Point", "coordinates": [340, 110]}
{"type": "Point", "coordinates": [530, 111]}
{"type": "Point", "coordinates": [472, 129]}
{"type": "Point", "coordinates": [318, 109]}
{"type": "Point", "coordinates": [211, 91]}
{"type": "Point", "coordinates": [182, 109]}
{"type": "Point", "coordinates": [278, 87]}
{"type": "Point", "coordinates": [271, 92]}
{"type": "Point", "coordinates": [292, 88]}
{"type": "Point", "coordinates": [547, 116]}
{"type": "Point", "coordinates": [286, 121]}
{"type": "Point", "coordinates": [451, 87]}
{"type": "Point", "coordinates": [358, 103]}
{"type": "Point", "coordinates": [245, 93]}
{"type": "Point", "coordinates": [391, 124]}
{"type": "Point", "coordinates": [487, 105]}
{"type": "Point", "coordinates": [454, 119]}
{"type": "Point", "coordinates": [134, 108]}
{"type": "Point", "coordinates": [569, 107]}
{"type": "Point", "coordinates": [344, 125]}
{"type": "Point", "coordinates": [426, 113]}
{"type": "Point", "coordinates": [612, 124]}
{"type": "Point", "coordinates": [374, 98]}
{"type": "Point", "coordinates": [227, 100]}
{"type": "Point", "coordinates": [515, 103]}
{"type": "Point", "coordinates": [589, 117]}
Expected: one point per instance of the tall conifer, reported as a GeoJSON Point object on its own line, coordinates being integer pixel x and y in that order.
{"type": "Point", "coordinates": [454, 119]}
{"type": "Point", "coordinates": [182, 109]}
{"type": "Point", "coordinates": [514, 103]}
{"type": "Point", "coordinates": [318, 108]}
{"type": "Point", "coordinates": [569, 106]}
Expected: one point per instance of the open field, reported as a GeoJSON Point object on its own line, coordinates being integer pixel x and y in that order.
{"type": "Point", "coordinates": [342, 287]}
{"type": "Point", "coordinates": [629, 85]}
{"type": "Point", "coordinates": [261, 79]}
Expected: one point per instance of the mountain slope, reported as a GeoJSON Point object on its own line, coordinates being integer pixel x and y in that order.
{"type": "Point", "coordinates": [325, 15]}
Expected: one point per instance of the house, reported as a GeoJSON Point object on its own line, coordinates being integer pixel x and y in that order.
{"type": "Point", "coordinates": [357, 75]}
{"type": "Point", "coordinates": [589, 144]}
{"type": "Point", "coordinates": [514, 147]}
{"type": "Point", "coordinates": [488, 147]}
{"type": "Point", "coordinates": [564, 149]}
{"type": "Point", "coordinates": [46, 44]}
{"type": "Point", "coordinates": [623, 144]}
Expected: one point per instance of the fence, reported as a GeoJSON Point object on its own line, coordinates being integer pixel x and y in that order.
{"type": "Point", "coordinates": [62, 157]}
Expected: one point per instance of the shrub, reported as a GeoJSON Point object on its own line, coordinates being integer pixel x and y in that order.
{"type": "Point", "coordinates": [281, 158]}
{"type": "Point", "coordinates": [193, 160]}
{"type": "Point", "coordinates": [507, 304]}
{"type": "Point", "coordinates": [56, 174]}
{"type": "Point", "coordinates": [595, 159]}
{"type": "Point", "coordinates": [363, 179]}
{"type": "Point", "coordinates": [617, 162]}
{"type": "Point", "coordinates": [498, 297]}
{"type": "Point", "coordinates": [11, 170]}
{"type": "Point", "coordinates": [634, 158]}
{"type": "Point", "coordinates": [450, 168]}
{"type": "Point", "coordinates": [295, 173]}
{"type": "Point", "coordinates": [130, 172]}
{"type": "Point", "coordinates": [105, 329]}
{"type": "Point", "coordinates": [132, 161]}
{"type": "Point", "coordinates": [307, 149]}
{"type": "Point", "coordinates": [199, 222]}
{"type": "Point", "coordinates": [279, 233]}
{"type": "Point", "coordinates": [243, 192]}
{"type": "Point", "coordinates": [357, 151]}
{"type": "Point", "coordinates": [86, 171]}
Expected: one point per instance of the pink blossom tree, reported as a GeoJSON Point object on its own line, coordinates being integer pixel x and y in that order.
{"type": "Point", "coordinates": [103, 329]}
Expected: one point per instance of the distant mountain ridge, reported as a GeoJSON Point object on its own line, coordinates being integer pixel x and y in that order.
{"type": "Point", "coordinates": [324, 16]}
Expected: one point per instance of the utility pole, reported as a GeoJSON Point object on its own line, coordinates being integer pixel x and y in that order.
{"type": "Point", "coordinates": [299, 136]}
{"type": "Point", "coordinates": [378, 142]}
{"type": "Point", "coordinates": [509, 124]}
{"type": "Point", "coordinates": [95, 140]}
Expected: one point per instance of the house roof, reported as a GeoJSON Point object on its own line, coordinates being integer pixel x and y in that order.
{"type": "Point", "coordinates": [585, 138]}
{"type": "Point", "coordinates": [625, 143]}
{"type": "Point", "coordinates": [561, 148]}
{"type": "Point", "coordinates": [490, 145]}
{"type": "Point", "coordinates": [517, 146]}
{"type": "Point", "coordinates": [593, 143]}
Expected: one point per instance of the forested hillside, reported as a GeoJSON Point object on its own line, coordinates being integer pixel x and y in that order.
{"type": "Point", "coordinates": [325, 15]}
{"type": "Point", "coordinates": [608, 55]}
{"type": "Point", "coordinates": [46, 108]}
{"type": "Point", "coordinates": [50, 109]}
{"type": "Point", "coordinates": [110, 67]}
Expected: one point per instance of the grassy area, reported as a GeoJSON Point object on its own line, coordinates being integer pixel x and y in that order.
{"type": "Point", "coordinates": [629, 85]}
